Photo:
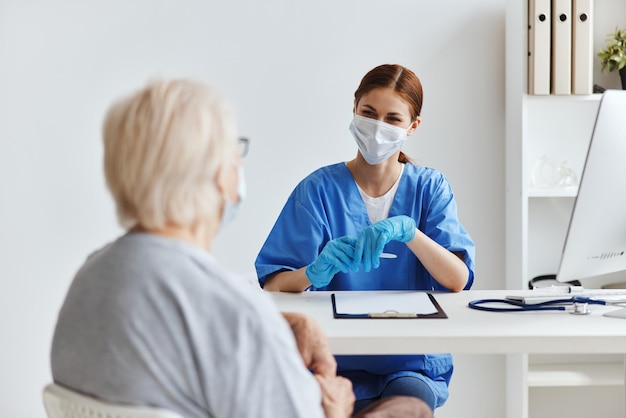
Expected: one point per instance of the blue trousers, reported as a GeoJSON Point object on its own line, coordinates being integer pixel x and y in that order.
{"type": "Point", "coordinates": [405, 386]}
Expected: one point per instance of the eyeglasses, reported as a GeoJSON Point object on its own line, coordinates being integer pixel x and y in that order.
{"type": "Point", "coordinates": [242, 145]}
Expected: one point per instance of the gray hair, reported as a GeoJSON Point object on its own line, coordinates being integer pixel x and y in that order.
{"type": "Point", "coordinates": [163, 146]}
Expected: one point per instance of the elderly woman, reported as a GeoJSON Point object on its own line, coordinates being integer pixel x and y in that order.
{"type": "Point", "coordinates": [152, 318]}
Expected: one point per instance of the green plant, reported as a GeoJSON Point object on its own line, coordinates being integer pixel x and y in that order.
{"type": "Point", "coordinates": [614, 56]}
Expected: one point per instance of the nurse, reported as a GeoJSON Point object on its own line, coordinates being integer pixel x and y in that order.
{"type": "Point", "coordinates": [376, 222]}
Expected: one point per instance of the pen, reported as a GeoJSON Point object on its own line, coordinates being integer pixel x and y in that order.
{"type": "Point", "coordinates": [388, 255]}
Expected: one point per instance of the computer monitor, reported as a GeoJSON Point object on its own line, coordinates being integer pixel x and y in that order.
{"type": "Point", "coordinates": [595, 245]}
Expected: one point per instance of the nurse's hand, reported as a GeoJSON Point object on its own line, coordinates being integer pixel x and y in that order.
{"type": "Point", "coordinates": [337, 255]}
{"type": "Point", "coordinates": [373, 239]}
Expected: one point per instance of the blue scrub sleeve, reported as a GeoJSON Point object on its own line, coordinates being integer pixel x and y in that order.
{"type": "Point", "coordinates": [443, 226]}
{"type": "Point", "coordinates": [297, 230]}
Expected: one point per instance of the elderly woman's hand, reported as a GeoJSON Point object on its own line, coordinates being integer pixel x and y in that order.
{"type": "Point", "coordinates": [312, 344]}
{"type": "Point", "coordinates": [337, 396]}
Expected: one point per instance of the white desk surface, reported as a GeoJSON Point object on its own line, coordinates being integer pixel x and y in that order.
{"type": "Point", "coordinates": [465, 330]}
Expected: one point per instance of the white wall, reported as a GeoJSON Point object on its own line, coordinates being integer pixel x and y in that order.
{"type": "Point", "coordinates": [290, 68]}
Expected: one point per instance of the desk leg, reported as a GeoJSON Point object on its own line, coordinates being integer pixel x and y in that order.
{"type": "Point", "coordinates": [517, 386]}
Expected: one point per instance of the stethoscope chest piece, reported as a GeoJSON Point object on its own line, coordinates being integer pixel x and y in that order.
{"type": "Point", "coordinates": [581, 309]}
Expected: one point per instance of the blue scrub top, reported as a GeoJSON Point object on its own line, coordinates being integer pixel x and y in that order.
{"type": "Point", "coordinates": [327, 205]}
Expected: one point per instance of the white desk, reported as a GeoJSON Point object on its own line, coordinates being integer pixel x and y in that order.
{"type": "Point", "coordinates": [466, 330]}
{"type": "Point", "coordinates": [470, 331]}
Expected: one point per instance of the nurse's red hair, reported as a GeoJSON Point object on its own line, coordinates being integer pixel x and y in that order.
{"type": "Point", "coordinates": [402, 80]}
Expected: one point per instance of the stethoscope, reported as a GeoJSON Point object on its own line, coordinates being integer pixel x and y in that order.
{"type": "Point", "coordinates": [580, 304]}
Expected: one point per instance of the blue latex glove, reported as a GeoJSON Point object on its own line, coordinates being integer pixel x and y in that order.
{"type": "Point", "coordinates": [374, 238]}
{"type": "Point", "coordinates": [337, 255]}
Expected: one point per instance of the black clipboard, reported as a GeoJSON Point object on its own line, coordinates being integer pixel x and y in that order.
{"type": "Point", "coordinates": [390, 314]}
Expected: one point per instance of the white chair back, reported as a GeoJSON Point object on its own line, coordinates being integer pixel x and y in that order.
{"type": "Point", "coordinates": [61, 402]}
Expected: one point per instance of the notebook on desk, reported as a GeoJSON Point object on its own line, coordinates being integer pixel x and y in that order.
{"type": "Point", "coordinates": [385, 304]}
{"type": "Point", "coordinates": [540, 295]}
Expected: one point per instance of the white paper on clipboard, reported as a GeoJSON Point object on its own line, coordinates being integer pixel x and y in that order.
{"type": "Point", "coordinates": [357, 303]}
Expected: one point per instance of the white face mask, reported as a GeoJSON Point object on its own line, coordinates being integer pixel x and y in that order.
{"type": "Point", "coordinates": [377, 140]}
{"type": "Point", "coordinates": [231, 208]}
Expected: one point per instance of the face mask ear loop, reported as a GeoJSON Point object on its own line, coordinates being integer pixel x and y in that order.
{"type": "Point", "coordinates": [231, 208]}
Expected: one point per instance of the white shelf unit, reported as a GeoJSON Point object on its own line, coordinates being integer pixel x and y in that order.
{"type": "Point", "coordinates": [559, 128]}
{"type": "Point", "coordinates": [575, 374]}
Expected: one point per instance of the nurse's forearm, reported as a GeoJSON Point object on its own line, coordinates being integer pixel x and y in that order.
{"type": "Point", "coordinates": [446, 267]}
{"type": "Point", "coordinates": [288, 281]}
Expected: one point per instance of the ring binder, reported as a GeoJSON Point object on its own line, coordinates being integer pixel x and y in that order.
{"type": "Point", "coordinates": [561, 47]}
{"type": "Point", "coordinates": [582, 47]}
{"type": "Point", "coordinates": [539, 34]}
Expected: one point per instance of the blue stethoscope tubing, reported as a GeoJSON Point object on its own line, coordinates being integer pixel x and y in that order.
{"type": "Point", "coordinates": [519, 306]}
